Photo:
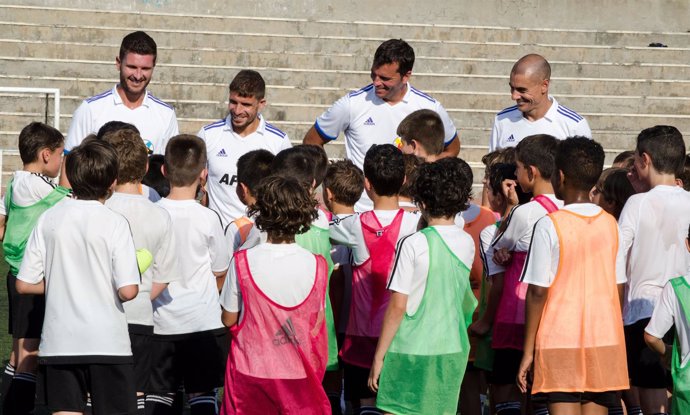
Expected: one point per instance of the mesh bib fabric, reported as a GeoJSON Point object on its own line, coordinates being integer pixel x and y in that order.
{"type": "Point", "coordinates": [369, 294]}
{"type": "Point", "coordinates": [425, 364]}
{"type": "Point", "coordinates": [580, 346]}
{"type": "Point", "coordinates": [277, 352]}
{"type": "Point", "coordinates": [680, 403]}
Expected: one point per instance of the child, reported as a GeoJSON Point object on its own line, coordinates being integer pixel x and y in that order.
{"type": "Point", "coordinates": [673, 310]}
{"type": "Point", "coordinates": [534, 160]}
{"type": "Point", "coordinates": [423, 349]}
{"type": "Point", "coordinates": [151, 228]}
{"type": "Point", "coordinates": [573, 324]}
{"type": "Point", "coordinates": [650, 251]}
{"type": "Point", "coordinates": [612, 191]}
{"type": "Point", "coordinates": [81, 254]}
{"type": "Point", "coordinates": [504, 155]}
{"type": "Point", "coordinates": [277, 291]}
{"type": "Point", "coordinates": [30, 193]}
{"type": "Point", "coordinates": [372, 236]}
{"type": "Point", "coordinates": [422, 134]}
{"type": "Point", "coordinates": [190, 342]}
{"type": "Point", "coordinates": [154, 175]}
{"type": "Point", "coordinates": [252, 167]}
{"type": "Point", "coordinates": [412, 162]}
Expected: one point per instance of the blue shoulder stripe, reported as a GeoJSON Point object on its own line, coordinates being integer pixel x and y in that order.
{"type": "Point", "coordinates": [274, 130]}
{"type": "Point", "coordinates": [568, 115]}
{"type": "Point", "coordinates": [421, 94]}
{"type": "Point", "coordinates": [214, 125]}
{"type": "Point", "coordinates": [509, 109]}
{"type": "Point", "coordinates": [159, 101]}
{"type": "Point", "coordinates": [361, 91]}
{"type": "Point", "coordinates": [99, 96]}
{"type": "Point", "coordinates": [569, 111]}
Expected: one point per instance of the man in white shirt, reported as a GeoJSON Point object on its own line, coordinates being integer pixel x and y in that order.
{"type": "Point", "coordinates": [129, 100]}
{"type": "Point", "coordinates": [242, 131]}
{"type": "Point", "coordinates": [535, 111]}
{"type": "Point", "coordinates": [371, 115]}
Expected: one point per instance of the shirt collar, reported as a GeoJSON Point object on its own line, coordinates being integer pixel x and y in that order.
{"type": "Point", "coordinates": [260, 129]}
{"type": "Point", "coordinates": [551, 113]}
{"type": "Point", "coordinates": [117, 99]}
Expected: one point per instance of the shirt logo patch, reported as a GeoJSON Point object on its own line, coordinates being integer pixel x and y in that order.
{"type": "Point", "coordinates": [369, 121]}
{"type": "Point", "coordinates": [222, 153]}
{"type": "Point", "coordinates": [511, 138]}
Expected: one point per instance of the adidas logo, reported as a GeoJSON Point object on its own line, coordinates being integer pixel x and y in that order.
{"type": "Point", "coordinates": [286, 334]}
{"type": "Point", "coordinates": [222, 153]}
{"type": "Point", "coordinates": [511, 138]}
{"type": "Point", "coordinates": [369, 121]}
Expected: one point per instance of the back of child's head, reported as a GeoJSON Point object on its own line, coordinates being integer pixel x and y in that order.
{"type": "Point", "coordinates": [467, 171]}
{"type": "Point", "coordinates": [441, 188]}
{"type": "Point", "coordinates": [91, 168]}
{"type": "Point", "coordinates": [425, 127]}
{"type": "Point", "coordinates": [131, 155]}
{"type": "Point", "coordinates": [503, 155]}
{"type": "Point", "coordinates": [185, 159]}
{"type": "Point", "coordinates": [112, 126]}
{"type": "Point", "coordinates": [319, 160]}
{"type": "Point", "coordinates": [684, 174]}
{"type": "Point", "coordinates": [581, 160]}
{"type": "Point", "coordinates": [665, 147]}
{"type": "Point", "coordinates": [38, 136]}
{"type": "Point", "coordinates": [296, 163]}
{"type": "Point", "coordinates": [500, 172]}
{"type": "Point", "coordinates": [284, 207]}
{"type": "Point", "coordinates": [154, 177]}
{"type": "Point", "coordinates": [345, 181]}
{"type": "Point", "coordinates": [624, 159]}
{"type": "Point", "coordinates": [384, 168]}
{"type": "Point", "coordinates": [538, 151]}
{"type": "Point", "coordinates": [616, 189]}
{"type": "Point", "coordinates": [253, 166]}
{"type": "Point", "coordinates": [412, 162]}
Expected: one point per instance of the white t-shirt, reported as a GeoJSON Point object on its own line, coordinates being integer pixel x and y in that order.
{"type": "Point", "coordinates": [342, 259]}
{"type": "Point", "coordinates": [190, 303]}
{"type": "Point", "coordinates": [348, 231]}
{"type": "Point", "coordinates": [510, 125]}
{"type": "Point", "coordinates": [486, 236]}
{"type": "Point", "coordinates": [155, 120]}
{"type": "Point", "coordinates": [223, 148]}
{"type": "Point", "coordinates": [85, 253]}
{"type": "Point", "coordinates": [667, 313]}
{"type": "Point", "coordinates": [544, 252]}
{"type": "Point", "coordinates": [519, 225]}
{"type": "Point", "coordinates": [652, 228]}
{"type": "Point", "coordinates": [151, 228]}
{"type": "Point", "coordinates": [28, 188]}
{"type": "Point", "coordinates": [234, 238]}
{"type": "Point", "coordinates": [411, 268]}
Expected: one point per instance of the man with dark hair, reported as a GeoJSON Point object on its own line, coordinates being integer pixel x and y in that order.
{"type": "Point", "coordinates": [371, 115]}
{"type": "Point", "coordinates": [241, 131]}
{"type": "Point", "coordinates": [535, 112]}
{"type": "Point", "coordinates": [128, 101]}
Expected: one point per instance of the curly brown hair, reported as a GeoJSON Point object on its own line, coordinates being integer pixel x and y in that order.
{"type": "Point", "coordinates": [283, 208]}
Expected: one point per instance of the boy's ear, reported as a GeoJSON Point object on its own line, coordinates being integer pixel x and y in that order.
{"type": "Point", "coordinates": [687, 244]}
{"type": "Point", "coordinates": [163, 171]}
{"type": "Point", "coordinates": [328, 193]}
{"type": "Point", "coordinates": [646, 160]}
{"type": "Point", "coordinates": [367, 185]}
{"type": "Point", "coordinates": [147, 166]}
{"type": "Point", "coordinates": [532, 172]}
{"type": "Point", "coordinates": [44, 155]}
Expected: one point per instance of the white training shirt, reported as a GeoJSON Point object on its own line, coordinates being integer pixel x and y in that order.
{"type": "Point", "coordinates": [668, 313]}
{"type": "Point", "coordinates": [348, 231]}
{"type": "Point", "coordinates": [486, 236]}
{"type": "Point", "coordinates": [151, 228]}
{"type": "Point", "coordinates": [223, 148]}
{"type": "Point", "coordinates": [510, 125]}
{"type": "Point", "coordinates": [283, 272]}
{"type": "Point", "coordinates": [190, 304]}
{"type": "Point", "coordinates": [85, 253]}
{"type": "Point", "coordinates": [411, 267]}
{"type": "Point", "coordinates": [342, 259]}
{"type": "Point", "coordinates": [27, 189]}
{"type": "Point", "coordinates": [519, 225]}
{"type": "Point", "coordinates": [234, 239]}
{"type": "Point", "coordinates": [541, 265]}
{"type": "Point", "coordinates": [652, 228]}
{"type": "Point", "coordinates": [155, 120]}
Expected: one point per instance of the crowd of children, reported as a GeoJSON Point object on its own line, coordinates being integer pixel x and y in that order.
{"type": "Point", "coordinates": [554, 293]}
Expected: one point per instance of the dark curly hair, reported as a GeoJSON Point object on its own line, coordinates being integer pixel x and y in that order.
{"type": "Point", "coordinates": [441, 189]}
{"type": "Point", "coordinates": [284, 207]}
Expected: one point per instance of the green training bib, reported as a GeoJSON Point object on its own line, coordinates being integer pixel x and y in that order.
{"type": "Point", "coordinates": [680, 403]}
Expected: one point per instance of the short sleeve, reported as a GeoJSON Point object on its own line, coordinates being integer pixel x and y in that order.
{"type": "Point", "coordinates": [285, 144]}
{"type": "Point", "coordinates": [582, 129]}
{"type": "Point", "coordinates": [542, 257]}
{"type": "Point", "coordinates": [80, 127]}
{"type": "Point", "coordinates": [403, 274]}
{"type": "Point", "coordinates": [335, 120]}
{"type": "Point", "coordinates": [493, 139]}
{"type": "Point", "coordinates": [662, 317]}
{"type": "Point", "coordinates": [218, 246]}
{"type": "Point", "coordinates": [517, 225]}
{"type": "Point", "coordinates": [627, 228]}
{"type": "Point", "coordinates": [448, 125]}
{"type": "Point", "coordinates": [487, 252]}
{"type": "Point", "coordinates": [124, 260]}
{"type": "Point", "coordinates": [164, 259]}
{"type": "Point", "coordinates": [32, 269]}
{"type": "Point", "coordinates": [230, 295]}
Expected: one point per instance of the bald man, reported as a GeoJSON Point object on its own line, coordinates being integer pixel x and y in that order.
{"type": "Point", "coordinates": [535, 111]}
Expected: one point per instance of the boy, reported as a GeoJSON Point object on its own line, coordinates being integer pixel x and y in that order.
{"type": "Point", "coordinates": [190, 342]}
{"type": "Point", "coordinates": [573, 322]}
{"type": "Point", "coordinates": [650, 251]}
{"type": "Point", "coordinates": [423, 349]}
{"type": "Point", "coordinates": [252, 167]}
{"type": "Point", "coordinates": [152, 233]}
{"type": "Point", "coordinates": [534, 161]}
{"type": "Point", "coordinates": [673, 310]}
{"type": "Point", "coordinates": [30, 193]}
{"type": "Point", "coordinates": [81, 254]}
{"type": "Point", "coordinates": [421, 134]}
{"type": "Point", "coordinates": [372, 236]}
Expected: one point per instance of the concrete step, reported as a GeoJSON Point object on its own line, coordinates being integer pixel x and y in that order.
{"type": "Point", "coordinates": [153, 20]}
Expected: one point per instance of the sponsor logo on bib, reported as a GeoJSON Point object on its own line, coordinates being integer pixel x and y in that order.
{"type": "Point", "coordinates": [286, 334]}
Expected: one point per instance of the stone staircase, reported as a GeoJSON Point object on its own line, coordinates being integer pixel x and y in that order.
{"type": "Point", "coordinates": [611, 77]}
